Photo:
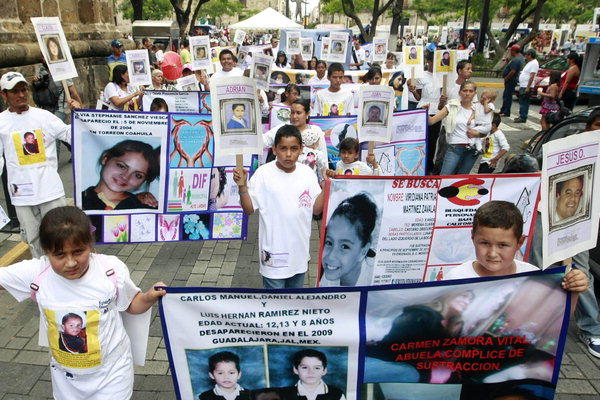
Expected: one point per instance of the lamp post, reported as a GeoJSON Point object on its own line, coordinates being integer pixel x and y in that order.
{"type": "Point", "coordinates": [465, 22]}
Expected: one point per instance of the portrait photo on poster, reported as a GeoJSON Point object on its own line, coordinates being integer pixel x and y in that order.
{"type": "Point", "coordinates": [200, 52]}
{"type": "Point", "coordinates": [30, 144]}
{"type": "Point", "coordinates": [260, 71]}
{"type": "Point", "coordinates": [120, 174]}
{"type": "Point", "coordinates": [445, 59]}
{"type": "Point", "coordinates": [72, 337]}
{"type": "Point", "coordinates": [570, 197]}
{"type": "Point", "coordinates": [53, 48]}
{"type": "Point", "coordinates": [139, 67]}
{"type": "Point", "coordinates": [412, 54]}
{"type": "Point", "coordinates": [337, 47]}
{"type": "Point", "coordinates": [375, 113]}
{"type": "Point", "coordinates": [237, 117]}
{"type": "Point", "coordinates": [380, 49]}
{"type": "Point", "coordinates": [293, 43]}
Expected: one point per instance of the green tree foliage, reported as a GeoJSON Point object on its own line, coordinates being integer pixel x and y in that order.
{"type": "Point", "coordinates": [217, 8]}
{"type": "Point", "coordinates": [565, 11]}
{"type": "Point", "coordinates": [150, 9]}
{"type": "Point", "coordinates": [437, 12]}
{"type": "Point", "coordinates": [351, 8]}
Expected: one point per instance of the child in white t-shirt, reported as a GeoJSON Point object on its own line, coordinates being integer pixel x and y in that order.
{"type": "Point", "coordinates": [349, 163]}
{"type": "Point", "coordinates": [495, 146]}
{"type": "Point", "coordinates": [484, 110]}
{"type": "Point", "coordinates": [497, 236]}
{"type": "Point", "coordinates": [287, 194]}
{"type": "Point", "coordinates": [89, 291]}
{"type": "Point", "coordinates": [334, 100]}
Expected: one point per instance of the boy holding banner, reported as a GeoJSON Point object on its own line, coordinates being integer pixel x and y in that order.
{"type": "Point", "coordinates": [334, 98]}
{"type": "Point", "coordinates": [287, 194]}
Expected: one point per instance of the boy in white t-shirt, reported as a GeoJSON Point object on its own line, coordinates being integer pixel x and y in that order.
{"type": "Point", "coordinates": [334, 100]}
{"type": "Point", "coordinates": [287, 194]}
{"type": "Point", "coordinates": [350, 164]}
{"type": "Point", "coordinates": [497, 236]}
{"type": "Point", "coordinates": [495, 146]}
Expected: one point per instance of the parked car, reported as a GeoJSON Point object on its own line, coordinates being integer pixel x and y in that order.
{"type": "Point", "coordinates": [571, 125]}
{"type": "Point", "coordinates": [542, 78]}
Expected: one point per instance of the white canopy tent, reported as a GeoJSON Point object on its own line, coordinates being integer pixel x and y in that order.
{"type": "Point", "coordinates": [267, 19]}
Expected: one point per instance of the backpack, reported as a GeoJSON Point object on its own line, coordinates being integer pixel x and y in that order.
{"type": "Point", "coordinates": [46, 93]}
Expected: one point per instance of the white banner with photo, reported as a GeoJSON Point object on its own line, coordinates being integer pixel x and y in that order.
{"type": "Point", "coordinates": [54, 47]}
{"type": "Point", "coordinates": [307, 48]}
{"type": "Point", "coordinates": [570, 206]}
{"type": "Point", "coordinates": [138, 66]}
{"type": "Point", "coordinates": [338, 47]}
{"type": "Point", "coordinates": [236, 125]}
{"type": "Point", "coordinates": [375, 110]}
{"type": "Point", "coordinates": [176, 101]}
{"type": "Point", "coordinates": [293, 43]}
{"type": "Point", "coordinates": [325, 44]}
{"type": "Point", "coordinates": [200, 51]}
{"type": "Point", "coordinates": [380, 49]}
{"type": "Point", "coordinates": [239, 37]}
{"type": "Point", "coordinates": [260, 70]}
{"type": "Point", "coordinates": [187, 83]}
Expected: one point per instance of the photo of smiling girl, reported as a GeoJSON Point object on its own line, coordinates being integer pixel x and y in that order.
{"type": "Point", "coordinates": [124, 168]}
{"type": "Point", "coordinates": [347, 258]}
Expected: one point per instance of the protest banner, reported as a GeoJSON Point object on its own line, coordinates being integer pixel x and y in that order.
{"type": "Point", "coordinates": [325, 45]}
{"type": "Point", "coordinates": [444, 61]}
{"type": "Point", "coordinates": [260, 70]}
{"type": "Point", "coordinates": [380, 46]}
{"type": "Point", "coordinates": [293, 42]}
{"type": "Point", "coordinates": [307, 48]}
{"type": "Point", "coordinates": [338, 47]}
{"type": "Point", "coordinates": [239, 37]}
{"type": "Point", "coordinates": [200, 52]}
{"type": "Point", "coordinates": [138, 66]}
{"type": "Point", "coordinates": [420, 227]}
{"type": "Point", "coordinates": [187, 83]}
{"type": "Point", "coordinates": [177, 101]}
{"type": "Point", "coordinates": [279, 114]}
{"type": "Point", "coordinates": [236, 126]}
{"type": "Point", "coordinates": [55, 49]}
{"type": "Point", "coordinates": [570, 207]}
{"type": "Point", "coordinates": [145, 177]}
{"type": "Point", "coordinates": [375, 110]}
{"type": "Point", "coordinates": [413, 55]}
{"type": "Point", "coordinates": [448, 337]}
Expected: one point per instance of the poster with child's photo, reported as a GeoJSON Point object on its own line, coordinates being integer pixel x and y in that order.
{"type": "Point", "coordinates": [444, 61]}
{"type": "Point", "coordinates": [138, 66]}
{"type": "Point", "coordinates": [307, 48]}
{"type": "Point", "coordinates": [379, 49]}
{"type": "Point", "coordinates": [200, 53]}
{"type": "Point", "coordinates": [325, 43]}
{"type": "Point", "coordinates": [54, 47]}
{"type": "Point", "coordinates": [376, 105]}
{"type": "Point", "coordinates": [293, 42]}
{"type": "Point", "coordinates": [338, 47]}
{"type": "Point", "coordinates": [260, 70]}
{"type": "Point", "coordinates": [239, 37]}
{"type": "Point", "coordinates": [413, 55]}
{"type": "Point", "coordinates": [187, 83]}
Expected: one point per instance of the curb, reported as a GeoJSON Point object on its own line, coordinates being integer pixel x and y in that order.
{"type": "Point", "coordinates": [14, 253]}
{"type": "Point", "coordinates": [490, 84]}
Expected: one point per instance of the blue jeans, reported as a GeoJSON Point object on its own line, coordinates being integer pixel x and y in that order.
{"type": "Point", "coordinates": [507, 96]}
{"type": "Point", "coordinates": [524, 100]}
{"type": "Point", "coordinates": [458, 160]}
{"type": "Point", "coordinates": [293, 282]}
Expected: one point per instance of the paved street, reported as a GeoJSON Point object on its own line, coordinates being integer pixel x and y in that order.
{"type": "Point", "coordinates": [24, 372]}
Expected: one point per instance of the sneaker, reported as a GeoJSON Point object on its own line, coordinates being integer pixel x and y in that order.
{"type": "Point", "coordinates": [593, 345]}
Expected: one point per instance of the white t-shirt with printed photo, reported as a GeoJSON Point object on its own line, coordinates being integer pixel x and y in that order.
{"type": "Point", "coordinates": [325, 100]}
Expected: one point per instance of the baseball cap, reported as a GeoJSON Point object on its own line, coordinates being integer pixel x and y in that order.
{"type": "Point", "coordinates": [116, 43]}
{"type": "Point", "coordinates": [515, 47]}
{"type": "Point", "coordinates": [10, 79]}
{"type": "Point", "coordinates": [188, 66]}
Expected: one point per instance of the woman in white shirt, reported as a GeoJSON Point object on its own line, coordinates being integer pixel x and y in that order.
{"type": "Point", "coordinates": [120, 93]}
{"type": "Point", "coordinates": [321, 77]}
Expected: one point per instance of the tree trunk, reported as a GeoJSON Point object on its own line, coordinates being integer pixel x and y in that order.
{"type": "Point", "coordinates": [396, 19]}
{"type": "Point", "coordinates": [138, 9]}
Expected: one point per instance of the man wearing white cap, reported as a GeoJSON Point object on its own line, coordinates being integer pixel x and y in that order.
{"type": "Point", "coordinates": [28, 140]}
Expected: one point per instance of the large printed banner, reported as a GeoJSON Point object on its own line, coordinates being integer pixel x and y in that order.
{"type": "Point", "coordinates": [177, 101]}
{"type": "Point", "coordinates": [570, 206]}
{"type": "Point", "coordinates": [411, 229]}
{"type": "Point", "coordinates": [154, 177]}
{"type": "Point", "coordinates": [404, 155]}
{"type": "Point", "coordinates": [442, 340]}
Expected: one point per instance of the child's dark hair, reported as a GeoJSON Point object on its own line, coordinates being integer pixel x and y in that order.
{"type": "Point", "coordinates": [65, 224]}
{"type": "Point", "coordinates": [594, 115]}
{"type": "Point", "coordinates": [555, 77]}
{"type": "Point", "coordinates": [348, 144]}
{"type": "Point", "coordinates": [287, 131]}
{"type": "Point", "coordinates": [135, 146]}
{"type": "Point", "coordinates": [371, 73]}
{"type": "Point", "coordinates": [334, 67]}
{"type": "Point", "coordinates": [28, 134]}
{"type": "Point", "coordinates": [499, 214]}
{"type": "Point", "coordinates": [159, 104]}
{"type": "Point", "coordinates": [66, 317]}
{"type": "Point", "coordinates": [462, 65]}
{"type": "Point", "coordinates": [299, 355]}
{"type": "Point", "coordinates": [322, 62]}
{"type": "Point", "coordinates": [361, 211]}
{"type": "Point", "coordinates": [496, 119]}
{"type": "Point", "coordinates": [222, 180]}
{"type": "Point", "coordinates": [235, 105]}
{"type": "Point", "coordinates": [223, 356]}
{"type": "Point", "coordinates": [288, 89]}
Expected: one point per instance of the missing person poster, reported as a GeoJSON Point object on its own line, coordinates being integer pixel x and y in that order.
{"type": "Point", "coordinates": [293, 43]}
{"type": "Point", "coordinates": [260, 70]}
{"type": "Point", "coordinates": [338, 47]}
{"type": "Point", "coordinates": [239, 37]}
{"type": "Point", "coordinates": [451, 340]}
{"type": "Point", "coordinates": [174, 101]}
{"type": "Point", "coordinates": [237, 126]}
{"type": "Point", "coordinates": [154, 177]}
{"type": "Point", "coordinates": [570, 207]}
{"type": "Point", "coordinates": [307, 48]}
{"type": "Point", "coordinates": [54, 47]}
{"type": "Point", "coordinates": [187, 83]}
{"type": "Point", "coordinates": [413, 55]}
{"type": "Point", "coordinates": [379, 49]}
{"type": "Point", "coordinates": [138, 66]}
{"type": "Point", "coordinates": [375, 110]}
{"type": "Point", "coordinates": [200, 51]}
{"type": "Point", "coordinates": [325, 45]}
{"type": "Point", "coordinates": [412, 229]}
{"type": "Point", "coordinates": [443, 61]}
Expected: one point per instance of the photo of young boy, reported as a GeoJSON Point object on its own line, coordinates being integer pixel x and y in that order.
{"type": "Point", "coordinates": [238, 118]}
{"type": "Point", "coordinates": [72, 336]}
{"type": "Point", "coordinates": [30, 145]}
{"type": "Point", "coordinates": [200, 52]}
{"type": "Point", "coordinates": [224, 370]}
{"type": "Point", "coordinates": [260, 71]}
{"type": "Point", "coordinates": [338, 47]}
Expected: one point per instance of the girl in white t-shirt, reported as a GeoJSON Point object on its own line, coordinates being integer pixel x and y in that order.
{"type": "Point", "coordinates": [90, 289]}
{"type": "Point", "coordinates": [347, 252]}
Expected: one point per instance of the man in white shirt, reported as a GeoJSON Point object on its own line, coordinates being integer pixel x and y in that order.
{"type": "Point", "coordinates": [228, 67]}
{"type": "Point", "coordinates": [334, 100]}
{"type": "Point", "coordinates": [526, 80]}
{"type": "Point", "coordinates": [358, 55]}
